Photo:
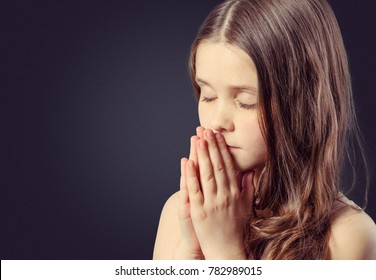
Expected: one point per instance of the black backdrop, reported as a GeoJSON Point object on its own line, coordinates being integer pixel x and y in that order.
{"type": "Point", "coordinates": [97, 109]}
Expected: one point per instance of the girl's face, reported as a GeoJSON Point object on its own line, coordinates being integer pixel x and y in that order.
{"type": "Point", "coordinates": [227, 78]}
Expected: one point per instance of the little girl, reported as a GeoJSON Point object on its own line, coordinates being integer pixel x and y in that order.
{"type": "Point", "coordinates": [276, 111]}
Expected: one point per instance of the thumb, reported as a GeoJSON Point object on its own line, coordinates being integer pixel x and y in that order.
{"type": "Point", "coordinates": [248, 188]}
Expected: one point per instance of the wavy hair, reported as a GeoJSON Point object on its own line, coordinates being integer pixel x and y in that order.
{"type": "Point", "coordinates": [306, 115]}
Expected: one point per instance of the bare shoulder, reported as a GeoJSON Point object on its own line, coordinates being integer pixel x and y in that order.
{"type": "Point", "coordinates": [168, 235]}
{"type": "Point", "coordinates": [353, 234]}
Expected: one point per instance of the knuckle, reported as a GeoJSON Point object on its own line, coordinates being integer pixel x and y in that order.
{"type": "Point", "coordinates": [198, 215]}
{"type": "Point", "coordinates": [194, 189]}
{"type": "Point", "coordinates": [236, 195]}
{"type": "Point", "coordinates": [231, 167]}
{"type": "Point", "coordinates": [210, 177]}
{"type": "Point", "coordinates": [220, 167]}
{"type": "Point", "coordinates": [223, 201]}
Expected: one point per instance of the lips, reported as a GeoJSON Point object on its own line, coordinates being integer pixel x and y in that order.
{"type": "Point", "coordinates": [232, 147]}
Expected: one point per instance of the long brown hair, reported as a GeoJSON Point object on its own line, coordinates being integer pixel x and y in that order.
{"type": "Point", "coordinates": [306, 115]}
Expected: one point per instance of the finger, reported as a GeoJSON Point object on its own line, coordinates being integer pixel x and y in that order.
{"type": "Point", "coordinates": [239, 178]}
{"type": "Point", "coordinates": [248, 189]}
{"type": "Point", "coordinates": [207, 176]}
{"type": "Point", "coordinates": [184, 211]}
{"type": "Point", "coordinates": [193, 153]}
{"type": "Point", "coordinates": [196, 198]}
{"type": "Point", "coordinates": [228, 163]}
{"type": "Point", "coordinates": [184, 207]}
{"type": "Point", "coordinates": [184, 199]}
{"type": "Point", "coordinates": [200, 132]}
{"type": "Point", "coordinates": [193, 149]}
{"type": "Point", "coordinates": [218, 166]}
{"type": "Point", "coordinates": [183, 162]}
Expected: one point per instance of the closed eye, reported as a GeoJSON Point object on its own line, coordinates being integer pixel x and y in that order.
{"type": "Point", "coordinates": [207, 99]}
{"type": "Point", "coordinates": [247, 106]}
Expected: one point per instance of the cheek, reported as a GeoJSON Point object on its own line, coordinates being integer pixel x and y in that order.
{"type": "Point", "coordinates": [202, 116]}
{"type": "Point", "coordinates": [253, 136]}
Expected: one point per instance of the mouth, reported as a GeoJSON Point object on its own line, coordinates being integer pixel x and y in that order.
{"type": "Point", "coordinates": [232, 147]}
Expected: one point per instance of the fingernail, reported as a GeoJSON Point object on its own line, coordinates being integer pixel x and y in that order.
{"type": "Point", "coordinates": [218, 136]}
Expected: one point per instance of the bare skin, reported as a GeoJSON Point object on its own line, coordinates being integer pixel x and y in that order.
{"type": "Point", "coordinates": [211, 211]}
{"type": "Point", "coordinates": [353, 232]}
{"type": "Point", "coordinates": [205, 219]}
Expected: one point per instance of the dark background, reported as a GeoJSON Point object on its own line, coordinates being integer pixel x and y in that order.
{"type": "Point", "coordinates": [96, 111]}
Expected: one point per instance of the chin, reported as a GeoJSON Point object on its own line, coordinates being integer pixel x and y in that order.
{"type": "Point", "coordinates": [247, 166]}
{"type": "Point", "coordinates": [242, 167]}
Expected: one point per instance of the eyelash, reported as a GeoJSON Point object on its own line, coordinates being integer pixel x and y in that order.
{"type": "Point", "coordinates": [247, 106]}
{"type": "Point", "coordinates": [241, 105]}
{"type": "Point", "coordinates": [206, 99]}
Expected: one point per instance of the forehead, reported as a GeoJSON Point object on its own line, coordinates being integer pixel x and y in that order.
{"type": "Point", "coordinates": [221, 63]}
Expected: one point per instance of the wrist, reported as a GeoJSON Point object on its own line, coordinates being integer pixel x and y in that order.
{"type": "Point", "coordinates": [226, 254]}
{"type": "Point", "coordinates": [241, 256]}
{"type": "Point", "coordinates": [185, 252]}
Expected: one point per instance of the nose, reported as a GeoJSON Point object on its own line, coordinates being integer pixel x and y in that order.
{"type": "Point", "coordinates": [221, 120]}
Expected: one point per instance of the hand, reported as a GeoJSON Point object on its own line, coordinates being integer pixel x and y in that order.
{"type": "Point", "coordinates": [218, 204]}
{"type": "Point", "coordinates": [189, 247]}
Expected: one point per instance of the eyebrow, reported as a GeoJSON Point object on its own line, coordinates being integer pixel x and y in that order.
{"type": "Point", "coordinates": [251, 90]}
